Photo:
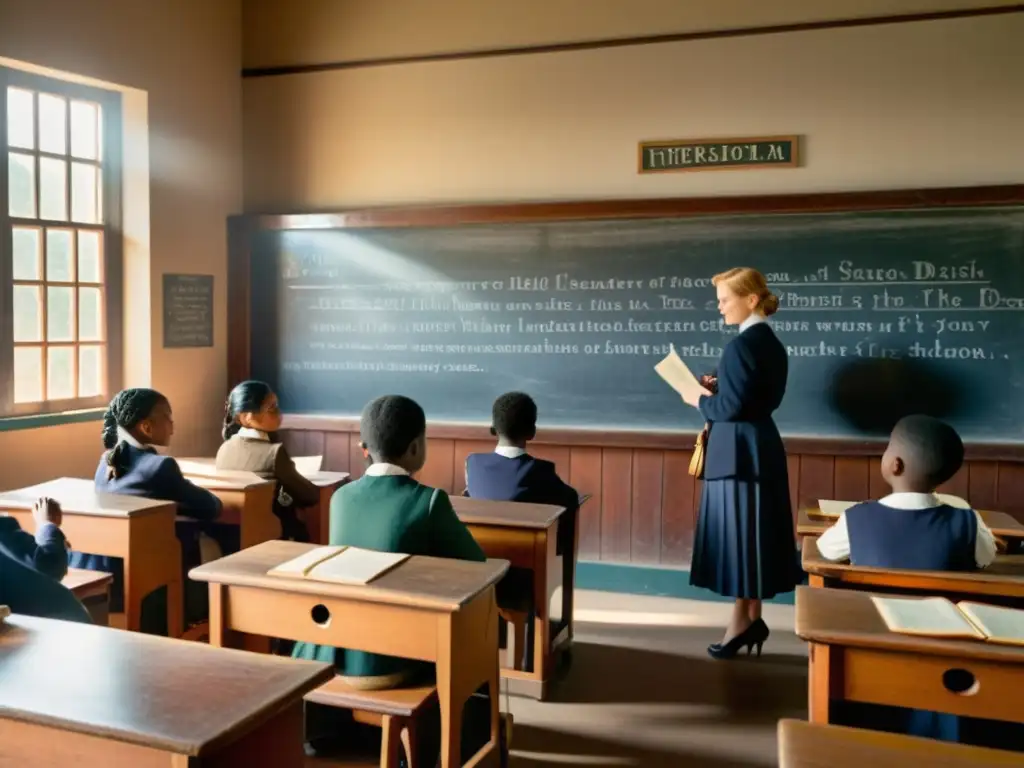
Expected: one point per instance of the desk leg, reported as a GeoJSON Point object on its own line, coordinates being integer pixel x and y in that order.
{"type": "Point", "coordinates": [569, 582]}
{"type": "Point", "coordinates": [821, 681]}
{"type": "Point", "coordinates": [545, 560]}
{"type": "Point", "coordinates": [153, 560]}
{"type": "Point", "coordinates": [816, 580]}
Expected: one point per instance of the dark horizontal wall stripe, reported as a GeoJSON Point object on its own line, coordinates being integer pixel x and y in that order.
{"type": "Point", "coordinates": [623, 42]}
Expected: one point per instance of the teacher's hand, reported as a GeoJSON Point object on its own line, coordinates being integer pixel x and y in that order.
{"type": "Point", "coordinates": [694, 398]}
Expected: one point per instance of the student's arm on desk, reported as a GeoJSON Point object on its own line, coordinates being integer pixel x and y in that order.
{"type": "Point", "coordinates": [449, 536]}
{"type": "Point", "coordinates": [834, 544]}
{"type": "Point", "coordinates": [984, 543]}
{"type": "Point", "coordinates": [193, 501]}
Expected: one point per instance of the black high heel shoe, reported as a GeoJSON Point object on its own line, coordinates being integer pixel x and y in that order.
{"type": "Point", "coordinates": [752, 637]}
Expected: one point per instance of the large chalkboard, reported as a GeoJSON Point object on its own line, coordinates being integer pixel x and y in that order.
{"type": "Point", "coordinates": [882, 313]}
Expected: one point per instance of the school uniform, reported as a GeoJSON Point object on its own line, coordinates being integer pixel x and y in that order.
{"type": "Point", "coordinates": [46, 552]}
{"type": "Point", "coordinates": [251, 450]}
{"type": "Point", "coordinates": [28, 592]}
{"type": "Point", "coordinates": [913, 531]}
{"type": "Point", "coordinates": [152, 476]}
{"type": "Point", "coordinates": [744, 545]}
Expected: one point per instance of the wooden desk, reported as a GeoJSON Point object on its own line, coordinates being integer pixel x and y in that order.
{"type": "Point", "coordinates": [432, 609]}
{"type": "Point", "coordinates": [248, 503]}
{"type": "Point", "coordinates": [139, 531]}
{"type": "Point", "coordinates": [812, 745]}
{"type": "Point", "coordinates": [1001, 582]}
{"type": "Point", "coordinates": [526, 536]}
{"type": "Point", "coordinates": [318, 518]}
{"type": "Point", "coordinates": [810, 522]}
{"type": "Point", "coordinates": [854, 656]}
{"type": "Point", "coordinates": [80, 695]}
{"type": "Point", "coordinates": [92, 588]}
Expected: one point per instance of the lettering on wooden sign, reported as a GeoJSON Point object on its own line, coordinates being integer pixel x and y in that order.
{"type": "Point", "coordinates": [718, 154]}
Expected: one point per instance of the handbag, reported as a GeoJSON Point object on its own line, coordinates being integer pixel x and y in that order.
{"type": "Point", "coordinates": [699, 449]}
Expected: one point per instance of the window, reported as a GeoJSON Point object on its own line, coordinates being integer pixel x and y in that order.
{"type": "Point", "coordinates": [60, 245]}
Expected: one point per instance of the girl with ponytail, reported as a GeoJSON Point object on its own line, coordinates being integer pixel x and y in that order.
{"type": "Point", "coordinates": [252, 418]}
{"type": "Point", "coordinates": [136, 423]}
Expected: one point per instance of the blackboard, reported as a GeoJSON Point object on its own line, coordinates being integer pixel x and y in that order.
{"type": "Point", "coordinates": [883, 313]}
{"type": "Point", "coordinates": [188, 310]}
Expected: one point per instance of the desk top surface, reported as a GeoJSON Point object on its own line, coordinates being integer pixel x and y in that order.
{"type": "Point", "coordinates": [847, 617]}
{"type": "Point", "coordinates": [813, 745]}
{"type": "Point", "coordinates": [810, 522]}
{"type": "Point", "coordinates": [78, 579]}
{"type": "Point", "coordinates": [203, 471]}
{"type": "Point", "coordinates": [187, 698]}
{"type": "Point", "coordinates": [505, 513]}
{"type": "Point", "coordinates": [434, 583]}
{"type": "Point", "coordinates": [78, 496]}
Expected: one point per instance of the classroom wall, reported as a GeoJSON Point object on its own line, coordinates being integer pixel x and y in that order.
{"type": "Point", "coordinates": [185, 56]}
{"type": "Point", "coordinates": [929, 103]}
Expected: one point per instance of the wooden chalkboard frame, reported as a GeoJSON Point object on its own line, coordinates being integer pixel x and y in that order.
{"type": "Point", "coordinates": [241, 229]}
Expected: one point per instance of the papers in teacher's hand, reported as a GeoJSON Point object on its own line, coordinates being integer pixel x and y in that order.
{"type": "Point", "coordinates": [675, 373]}
{"type": "Point", "coordinates": [938, 617]}
{"type": "Point", "coordinates": [339, 565]}
{"type": "Point", "coordinates": [308, 465]}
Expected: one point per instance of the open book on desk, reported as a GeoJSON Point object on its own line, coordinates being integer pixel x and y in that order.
{"type": "Point", "coordinates": [833, 509]}
{"type": "Point", "coordinates": [676, 374]}
{"type": "Point", "coordinates": [939, 617]}
{"type": "Point", "coordinates": [339, 565]}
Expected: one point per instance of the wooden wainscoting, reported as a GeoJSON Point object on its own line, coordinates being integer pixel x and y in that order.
{"type": "Point", "coordinates": [644, 505]}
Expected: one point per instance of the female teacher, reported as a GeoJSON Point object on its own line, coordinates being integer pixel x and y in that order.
{"type": "Point", "coordinates": [744, 545]}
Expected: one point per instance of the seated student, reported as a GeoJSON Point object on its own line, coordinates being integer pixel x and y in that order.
{"type": "Point", "coordinates": [388, 511]}
{"type": "Point", "coordinates": [911, 529]}
{"type": "Point", "coordinates": [137, 421]}
{"type": "Point", "coordinates": [251, 419]}
{"type": "Point", "coordinates": [47, 551]}
{"type": "Point", "coordinates": [26, 591]}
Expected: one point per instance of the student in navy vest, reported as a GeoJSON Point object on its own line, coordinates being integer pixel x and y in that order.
{"type": "Point", "coordinates": [744, 546]}
{"type": "Point", "coordinates": [912, 529]}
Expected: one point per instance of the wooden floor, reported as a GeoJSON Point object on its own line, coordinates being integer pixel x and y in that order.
{"type": "Point", "coordinates": [643, 692]}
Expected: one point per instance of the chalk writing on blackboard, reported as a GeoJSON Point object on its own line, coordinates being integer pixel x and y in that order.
{"type": "Point", "coordinates": [188, 310]}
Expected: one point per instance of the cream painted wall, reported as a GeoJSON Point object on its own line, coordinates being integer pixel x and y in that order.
{"type": "Point", "coordinates": [901, 105]}
{"type": "Point", "coordinates": [185, 54]}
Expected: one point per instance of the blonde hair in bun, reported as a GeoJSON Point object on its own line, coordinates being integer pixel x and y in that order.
{"type": "Point", "coordinates": [747, 281]}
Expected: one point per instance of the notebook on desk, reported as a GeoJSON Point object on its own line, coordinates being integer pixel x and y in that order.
{"type": "Point", "coordinates": [339, 565]}
{"type": "Point", "coordinates": [832, 509]}
{"type": "Point", "coordinates": [939, 617]}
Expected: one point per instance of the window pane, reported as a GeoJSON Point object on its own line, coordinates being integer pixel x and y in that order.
{"type": "Point", "coordinates": [84, 193]}
{"type": "Point", "coordinates": [90, 371]}
{"type": "Point", "coordinates": [28, 374]}
{"type": "Point", "coordinates": [28, 313]}
{"type": "Point", "coordinates": [60, 373]}
{"type": "Point", "coordinates": [60, 314]}
{"type": "Point", "coordinates": [60, 264]}
{"type": "Point", "coordinates": [21, 175]}
{"type": "Point", "coordinates": [90, 314]}
{"type": "Point", "coordinates": [84, 130]}
{"type": "Point", "coordinates": [89, 257]}
{"type": "Point", "coordinates": [53, 189]}
{"type": "Point", "coordinates": [20, 119]}
{"type": "Point", "coordinates": [53, 124]}
{"type": "Point", "coordinates": [25, 247]}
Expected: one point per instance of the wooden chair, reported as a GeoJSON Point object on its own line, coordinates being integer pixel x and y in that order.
{"type": "Point", "coordinates": [394, 711]}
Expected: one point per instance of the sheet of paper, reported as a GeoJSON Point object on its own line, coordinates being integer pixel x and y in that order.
{"type": "Point", "coordinates": [934, 616]}
{"type": "Point", "coordinates": [833, 508]}
{"type": "Point", "coordinates": [300, 566]}
{"type": "Point", "coordinates": [1002, 625]}
{"type": "Point", "coordinates": [355, 566]}
{"type": "Point", "coordinates": [197, 468]}
{"type": "Point", "coordinates": [676, 374]}
{"type": "Point", "coordinates": [308, 465]}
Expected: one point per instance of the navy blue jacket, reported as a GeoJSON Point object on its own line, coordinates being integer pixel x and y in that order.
{"type": "Point", "coordinates": [937, 539]}
{"type": "Point", "coordinates": [46, 552]}
{"type": "Point", "coordinates": [743, 441]}
{"type": "Point", "coordinates": [30, 593]}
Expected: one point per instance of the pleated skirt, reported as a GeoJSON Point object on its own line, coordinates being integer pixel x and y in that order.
{"type": "Point", "coordinates": [744, 545]}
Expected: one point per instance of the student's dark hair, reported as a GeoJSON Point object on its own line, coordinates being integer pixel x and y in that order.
{"type": "Point", "coordinates": [514, 416]}
{"type": "Point", "coordinates": [389, 425]}
{"type": "Point", "coordinates": [931, 448]}
{"type": "Point", "coordinates": [247, 397]}
{"type": "Point", "coordinates": [126, 410]}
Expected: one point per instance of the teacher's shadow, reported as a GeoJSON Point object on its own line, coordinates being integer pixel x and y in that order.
{"type": "Point", "coordinates": [872, 394]}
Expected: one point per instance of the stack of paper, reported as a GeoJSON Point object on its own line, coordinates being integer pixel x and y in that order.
{"type": "Point", "coordinates": [675, 373]}
{"type": "Point", "coordinates": [938, 617]}
{"type": "Point", "coordinates": [308, 465]}
{"type": "Point", "coordinates": [339, 565]}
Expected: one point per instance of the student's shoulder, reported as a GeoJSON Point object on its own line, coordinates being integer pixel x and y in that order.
{"type": "Point", "coordinates": [9, 525]}
{"type": "Point", "coordinates": [861, 508]}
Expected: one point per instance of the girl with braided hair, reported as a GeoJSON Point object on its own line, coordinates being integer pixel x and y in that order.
{"type": "Point", "coordinates": [134, 425]}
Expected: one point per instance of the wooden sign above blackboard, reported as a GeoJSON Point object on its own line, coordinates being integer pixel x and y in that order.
{"type": "Point", "coordinates": [188, 310]}
{"type": "Point", "coordinates": [718, 154]}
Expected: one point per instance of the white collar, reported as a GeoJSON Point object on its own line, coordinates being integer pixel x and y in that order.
{"type": "Point", "coordinates": [510, 451]}
{"type": "Point", "coordinates": [912, 501]}
{"type": "Point", "coordinates": [253, 434]}
{"type": "Point", "coordinates": [752, 320]}
{"type": "Point", "coordinates": [383, 469]}
{"type": "Point", "coordinates": [124, 436]}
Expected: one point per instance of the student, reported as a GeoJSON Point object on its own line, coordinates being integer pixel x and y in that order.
{"type": "Point", "coordinates": [28, 592]}
{"type": "Point", "coordinates": [388, 511]}
{"type": "Point", "coordinates": [911, 529]}
{"type": "Point", "coordinates": [134, 425]}
{"type": "Point", "coordinates": [509, 473]}
{"type": "Point", "coordinates": [251, 419]}
{"type": "Point", "coordinates": [47, 551]}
